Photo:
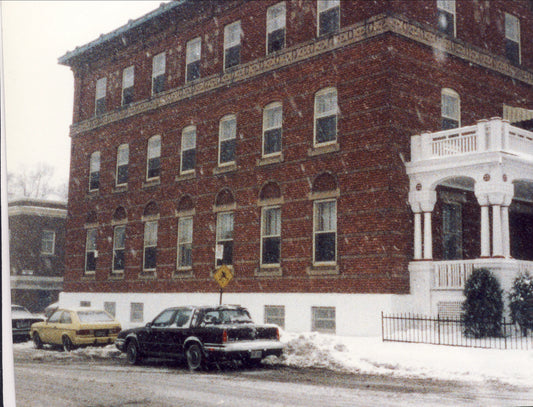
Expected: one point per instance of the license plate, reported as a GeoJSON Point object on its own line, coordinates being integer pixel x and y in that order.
{"type": "Point", "coordinates": [100, 333]}
{"type": "Point", "coordinates": [255, 354]}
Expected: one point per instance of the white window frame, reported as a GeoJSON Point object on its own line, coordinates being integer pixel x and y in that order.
{"type": "Point", "coordinates": [150, 241]}
{"type": "Point", "coordinates": [123, 160]}
{"type": "Point", "coordinates": [221, 229]}
{"type": "Point", "coordinates": [332, 111]}
{"type": "Point", "coordinates": [159, 64]}
{"type": "Point", "coordinates": [153, 151]}
{"type": "Point", "coordinates": [512, 32]}
{"type": "Point", "coordinates": [232, 39]}
{"type": "Point", "coordinates": [317, 320]}
{"type": "Point", "coordinates": [185, 238]}
{"type": "Point", "coordinates": [48, 242]}
{"type": "Point", "coordinates": [128, 80]}
{"type": "Point", "coordinates": [110, 307]}
{"type": "Point", "coordinates": [448, 6]}
{"type": "Point", "coordinates": [449, 95]}
{"type": "Point", "coordinates": [317, 229]}
{"type": "Point", "coordinates": [117, 248]}
{"type": "Point", "coordinates": [94, 170]}
{"type": "Point", "coordinates": [193, 54]}
{"type": "Point", "coordinates": [276, 20]}
{"type": "Point", "coordinates": [99, 94]}
{"type": "Point", "coordinates": [91, 247]}
{"type": "Point", "coordinates": [274, 234]}
{"type": "Point", "coordinates": [269, 125]}
{"type": "Point", "coordinates": [188, 143]}
{"type": "Point", "coordinates": [136, 312]}
{"type": "Point", "coordinates": [225, 135]}
{"type": "Point", "coordinates": [324, 6]}
{"type": "Point", "coordinates": [275, 314]}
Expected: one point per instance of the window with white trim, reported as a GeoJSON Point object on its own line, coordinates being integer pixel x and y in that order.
{"type": "Point", "coordinates": [446, 16]}
{"type": "Point", "coordinates": [119, 245]}
{"type": "Point", "coordinates": [232, 44]}
{"type": "Point", "coordinates": [323, 319]}
{"type": "Point", "coordinates": [275, 314]}
{"type": "Point", "coordinates": [90, 251]}
{"type": "Point", "coordinates": [127, 85]}
{"type": "Point", "coordinates": [272, 128]}
{"type": "Point", "coordinates": [276, 20]}
{"type": "Point", "coordinates": [450, 109]}
{"type": "Point", "coordinates": [153, 163]}
{"type": "Point", "coordinates": [188, 149]}
{"type": "Point", "coordinates": [110, 307]}
{"type": "Point", "coordinates": [271, 235]}
{"type": "Point", "coordinates": [224, 238]}
{"type": "Point", "coordinates": [326, 111]}
{"type": "Point", "coordinates": [227, 140]}
{"type": "Point", "coordinates": [123, 158]}
{"type": "Point", "coordinates": [325, 231]}
{"type": "Point", "coordinates": [136, 312]}
{"type": "Point", "coordinates": [193, 57]}
{"type": "Point", "coordinates": [158, 73]}
{"type": "Point", "coordinates": [512, 38]}
{"type": "Point", "coordinates": [452, 231]}
{"type": "Point", "coordinates": [150, 246]}
{"type": "Point", "coordinates": [185, 242]}
{"type": "Point", "coordinates": [48, 239]}
{"type": "Point", "coordinates": [94, 171]}
{"type": "Point", "coordinates": [100, 94]}
{"type": "Point", "coordinates": [329, 16]}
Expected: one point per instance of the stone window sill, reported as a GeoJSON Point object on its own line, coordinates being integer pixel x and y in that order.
{"type": "Point", "coordinates": [323, 270]}
{"type": "Point", "coordinates": [325, 149]}
{"type": "Point", "coordinates": [225, 168]}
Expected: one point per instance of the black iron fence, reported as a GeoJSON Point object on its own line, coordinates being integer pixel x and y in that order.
{"type": "Point", "coordinates": [451, 332]}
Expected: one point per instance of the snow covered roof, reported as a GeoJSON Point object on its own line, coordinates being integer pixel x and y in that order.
{"type": "Point", "coordinates": [105, 38]}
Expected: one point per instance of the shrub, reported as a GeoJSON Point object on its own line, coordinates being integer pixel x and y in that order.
{"type": "Point", "coordinates": [483, 305]}
{"type": "Point", "coordinates": [521, 301]}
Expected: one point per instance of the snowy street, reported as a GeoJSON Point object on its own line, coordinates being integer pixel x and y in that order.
{"type": "Point", "coordinates": [318, 370]}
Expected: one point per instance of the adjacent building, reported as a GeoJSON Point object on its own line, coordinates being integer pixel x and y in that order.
{"type": "Point", "coordinates": [341, 158]}
{"type": "Point", "coordinates": [37, 251]}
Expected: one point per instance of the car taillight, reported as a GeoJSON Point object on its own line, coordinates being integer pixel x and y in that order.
{"type": "Point", "coordinates": [83, 332]}
{"type": "Point", "coordinates": [224, 336]}
{"type": "Point", "coordinates": [277, 333]}
{"type": "Point", "coordinates": [115, 330]}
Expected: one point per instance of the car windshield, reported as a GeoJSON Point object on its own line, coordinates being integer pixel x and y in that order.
{"type": "Point", "coordinates": [19, 311]}
{"type": "Point", "coordinates": [94, 316]}
{"type": "Point", "coordinates": [227, 316]}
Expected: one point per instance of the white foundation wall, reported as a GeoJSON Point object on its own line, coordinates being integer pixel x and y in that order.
{"type": "Point", "coordinates": [356, 314]}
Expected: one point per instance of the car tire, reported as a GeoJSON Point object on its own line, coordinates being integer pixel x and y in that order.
{"type": "Point", "coordinates": [252, 363]}
{"type": "Point", "coordinates": [195, 357]}
{"type": "Point", "coordinates": [67, 344]}
{"type": "Point", "coordinates": [132, 353]}
{"type": "Point", "coordinates": [37, 343]}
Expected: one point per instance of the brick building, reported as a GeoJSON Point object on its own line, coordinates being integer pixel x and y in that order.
{"type": "Point", "coordinates": [280, 139]}
{"type": "Point", "coordinates": [37, 251]}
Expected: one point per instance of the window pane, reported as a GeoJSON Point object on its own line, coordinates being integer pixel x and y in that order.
{"type": "Point", "coordinates": [228, 128]}
{"type": "Point", "coordinates": [225, 226]}
{"type": "Point", "coordinates": [193, 71]}
{"type": "Point", "coordinates": [158, 84]}
{"type": "Point", "coordinates": [95, 162]}
{"type": "Point", "coordinates": [329, 21]}
{"type": "Point", "coordinates": [227, 151]}
{"type": "Point", "coordinates": [188, 160]}
{"type": "Point", "coordinates": [232, 35]}
{"type": "Point", "coordinates": [272, 142]}
{"type": "Point", "coordinates": [150, 258]}
{"type": "Point", "coordinates": [154, 147]}
{"type": "Point", "coordinates": [326, 103]}
{"type": "Point", "coordinates": [326, 129]}
{"type": "Point", "coordinates": [194, 50]}
{"type": "Point", "coordinates": [127, 77]}
{"type": "Point", "coordinates": [512, 27]}
{"type": "Point", "coordinates": [150, 234]}
{"type": "Point", "coordinates": [101, 85]}
{"type": "Point", "coordinates": [188, 138]}
{"type": "Point", "coordinates": [118, 260]}
{"type": "Point", "coordinates": [272, 222]}
{"type": "Point", "coordinates": [158, 65]}
{"type": "Point", "coordinates": [232, 56]}
{"type": "Point", "coordinates": [272, 117]}
{"type": "Point", "coordinates": [276, 17]}
{"type": "Point", "coordinates": [123, 154]}
{"type": "Point", "coordinates": [276, 40]}
{"type": "Point", "coordinates": [271, 250]}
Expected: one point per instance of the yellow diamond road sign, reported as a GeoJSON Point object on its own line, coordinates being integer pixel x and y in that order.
{"type": "Point", "coordinates": [223, 275]}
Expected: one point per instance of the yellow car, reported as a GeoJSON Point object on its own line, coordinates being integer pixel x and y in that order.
{"type": "Point", "coordinates": [73, 327]}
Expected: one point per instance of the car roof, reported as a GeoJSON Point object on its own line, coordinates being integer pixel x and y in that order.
{"type": "Point", "coordinates": [210, 307]}
{"type": "Point", "coordinates": [79, 309]}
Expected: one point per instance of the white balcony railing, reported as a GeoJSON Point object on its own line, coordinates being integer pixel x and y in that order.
{"type": "Point", "coordinates": [486, 136]}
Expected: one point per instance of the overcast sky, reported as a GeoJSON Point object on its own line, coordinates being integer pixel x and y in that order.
{"type": "Point", "coordinates": [38, 91]}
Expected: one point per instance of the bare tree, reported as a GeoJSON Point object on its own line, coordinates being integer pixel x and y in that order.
{"type": "Point", "coordinates": [34, 182]}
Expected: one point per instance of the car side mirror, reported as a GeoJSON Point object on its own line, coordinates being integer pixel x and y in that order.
{"type": "Point", "coordinates": [149, 325]}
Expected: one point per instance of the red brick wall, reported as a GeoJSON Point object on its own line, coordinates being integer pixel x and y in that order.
{"type": "Point", "coordinates": [388, 89]}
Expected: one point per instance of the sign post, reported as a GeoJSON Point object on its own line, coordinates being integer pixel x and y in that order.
{"type": "Point", "coordinates": [223, 276]}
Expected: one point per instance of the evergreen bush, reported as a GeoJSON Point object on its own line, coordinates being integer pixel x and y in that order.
{"type": "Point", "coordinates": [521, 302]}
{"type": "Point", "coordinates": [483, 305]}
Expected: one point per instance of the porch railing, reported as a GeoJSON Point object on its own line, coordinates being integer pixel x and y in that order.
{"type": "Point", "coordinates": [486, 136]}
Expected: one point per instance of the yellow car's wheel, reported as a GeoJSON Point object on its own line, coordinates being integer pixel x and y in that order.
{"type": "Point", "coordinates": [37, 341]}
{"type": "Point", "coordinates": [67, 344]}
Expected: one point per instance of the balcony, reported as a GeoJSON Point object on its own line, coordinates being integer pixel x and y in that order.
{"type": "Point", "coordinates": [494, 135]}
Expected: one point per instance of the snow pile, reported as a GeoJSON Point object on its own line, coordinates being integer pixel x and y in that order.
{"type": "Point", "coordinates": [372, 356]}
{"type": "Point", "coordinates": [361, 355]}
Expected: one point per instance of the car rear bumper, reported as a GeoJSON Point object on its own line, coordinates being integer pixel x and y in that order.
{"type": "Point", "coordinates": [94, 341]}
{"type": "Point", "coordinates": [244, 350]}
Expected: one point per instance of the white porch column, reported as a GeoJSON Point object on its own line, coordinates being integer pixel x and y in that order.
{"type": "Point", "coordinates": [418, 236]}
{"type": "Point", "coordinates": [497, 250]}
{"type": "Point", "coordinates": [506, 240]}
{"type": "Point", "coordinates": [485, 232]}
{"type": "Point", "coordinates": [428, 237]}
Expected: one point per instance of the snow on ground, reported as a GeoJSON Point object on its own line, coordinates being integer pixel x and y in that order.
{"type": "Point", "coordinates": [367, 356]}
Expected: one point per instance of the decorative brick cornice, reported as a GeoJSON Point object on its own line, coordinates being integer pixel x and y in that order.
{"type": "Point", "coordinates": [351, 35]}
